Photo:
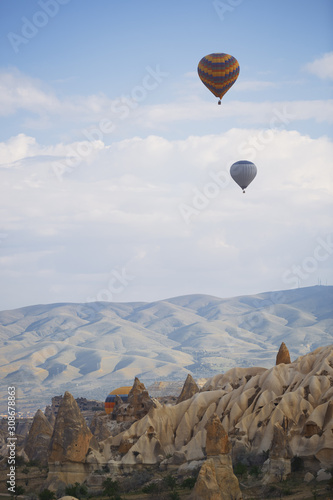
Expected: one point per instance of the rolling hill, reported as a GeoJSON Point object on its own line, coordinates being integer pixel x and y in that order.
{"type": "Point", "coordinates": [89, 349]}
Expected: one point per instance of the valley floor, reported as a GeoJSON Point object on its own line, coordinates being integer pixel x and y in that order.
{"type": "Point", "coordinates": [293, 488]}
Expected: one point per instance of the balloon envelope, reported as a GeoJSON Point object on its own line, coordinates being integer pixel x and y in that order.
{"type": "Point", "coordinates": [218, 71]}
{"type": "Point", "coordinates": [122, 392]}
{"type": "Point", "coordinates": [243, 172]}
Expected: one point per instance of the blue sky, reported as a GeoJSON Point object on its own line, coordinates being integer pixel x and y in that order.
{"type": "Point", "coordinates": [114, 157]}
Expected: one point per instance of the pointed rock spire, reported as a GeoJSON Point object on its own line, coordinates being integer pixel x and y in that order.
{"type": "Point", "coordinates": [139, 401]}
{"type": "Point", "coordinates": [138, 405]}
{"type": "Point", "coordinates": [283, 355]}
{"type": "Point", "coordinates": [189, 389]}
{"type": "Point", "coordinates": [71, 436]}
{"type": "Point", "coordinates": [39, 437]}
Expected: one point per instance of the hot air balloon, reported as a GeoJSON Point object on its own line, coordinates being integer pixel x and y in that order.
{"type": "Point", "coordinates": [218, 72]}
{"type": "Point", "coordinates": [243, 172]}
{"type": "Point", "coordinates": [122, 392]}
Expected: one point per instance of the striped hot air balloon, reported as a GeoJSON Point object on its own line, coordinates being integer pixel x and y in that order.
{"type": "Point", "coordinates": [243, 172]}
{"type": "Point", "coordinates": [121, 392]}
{"type": "Point", "coordinates": [218, 72]}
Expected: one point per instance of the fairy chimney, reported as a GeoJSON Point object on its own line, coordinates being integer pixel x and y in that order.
{"type": "Point", "coordinates": [283, 355]}
{"type": "Point", "coordinates": [189, 389]}
{"type": "Point", "coordinates": [71, 436]}
{"type": "Point", "coordinates": [216, 480]}
{"type": "Point", "coordinates": [39, 437]}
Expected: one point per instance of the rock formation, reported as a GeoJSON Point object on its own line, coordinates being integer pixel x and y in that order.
{"type": "Point", "coordinates": [249, 402]}
{"type": "Point", "coordinates": [39, 437]}
{"type": "Point", "coordinates": [71, 436]}
{"type": "Point", "coordinates": [100, 427]}
{"type": "Point", "coordinates": [216, 480]}
{"type": "Point", "coordinates": [217, 441]}
{"type": "Point", "coordinates": [50, 415]}
{"type": "Point", "coordinates": [189, 389]}
{"type": "Point", "coordinates": [138, 405]}
{"type": "Point", "coordinates": [278, 466]}
{"type": "Point", "coordinates": [283, 355]}
{"type": "Point", "coordinates": [69, 445]}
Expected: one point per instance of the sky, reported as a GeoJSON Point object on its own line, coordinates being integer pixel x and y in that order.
{"type": "Point", "coordinates": [115, 158]}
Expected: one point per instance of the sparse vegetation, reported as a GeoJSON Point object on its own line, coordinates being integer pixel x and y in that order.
{"type": "Point", "coordinates": [77, 490]}
{"type": "Point", "coordinates": [19, 490]}
{"type": "Point", "coordinates": [189, 482]}
{"type": "Point", "coordinates": [158, 489]}
{"type": "Point", "coordinates": [170, 482]}
{"type": "Point", "coordinates": [151, 488]}
{"type": "Point", "coordinates": [111, 489]}
{"type": "Point", "coordinates": [47, 495]}
{"type": "Point", "coordinates": [240, 469]}
{"type": "Point", "coordinates": [33, 463]}
{"type": "Point", "coordinates": [255, 470]}
{"type": "Point", "coordinates": [174, 495]}
{"type": "Point", "coordinates": [19, 460]}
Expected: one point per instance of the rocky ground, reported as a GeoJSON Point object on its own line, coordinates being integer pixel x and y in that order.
{"type": "Point", "coordinates": [250, 433]}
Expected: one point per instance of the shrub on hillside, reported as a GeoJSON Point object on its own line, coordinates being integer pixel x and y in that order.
{"type": "Point", "coordinates": [47, 495]}
{"type": "Point", "coordinates": [189, 482]}
{"type": "Point", "coordinates": [240, 469]}
{"type": "Point", "coordinates": [77, 490]}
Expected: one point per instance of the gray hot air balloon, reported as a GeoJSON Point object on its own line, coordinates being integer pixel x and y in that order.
{"type": "Point", "coordinates": [243, 172]}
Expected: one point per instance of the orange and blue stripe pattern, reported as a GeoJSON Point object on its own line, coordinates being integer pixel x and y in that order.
{"type": "Point", "coordinates": [218, 72]}
{"type": "Point", "coordinates": [122, 392]}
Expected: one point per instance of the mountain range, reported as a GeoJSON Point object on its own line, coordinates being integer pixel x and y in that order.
{"type": "Point", "coordinates": [91, 348]}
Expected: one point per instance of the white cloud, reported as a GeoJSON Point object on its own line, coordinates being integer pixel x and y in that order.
{"type": "Point", "coordinates": [45, 109]}
{"type": "Point", "coordinates": [16, 148]}
{"type": "Point", "coordinates": [281, 113]}
{"type": "Point", "coordinates": [322, 67]}
{"type": "Point", "coordinates": [124, 201]}
{"type": "Point", "coordinates": [21, 92]}
{"type": "Point", "coordinates": [18, 91]}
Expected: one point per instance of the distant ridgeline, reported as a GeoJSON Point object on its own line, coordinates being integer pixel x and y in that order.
{"type": "Point", "coordinates": [91, 349]}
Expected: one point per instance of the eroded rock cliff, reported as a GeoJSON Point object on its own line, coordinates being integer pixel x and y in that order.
{"type": "Point", "coordinates": [249, 402]}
